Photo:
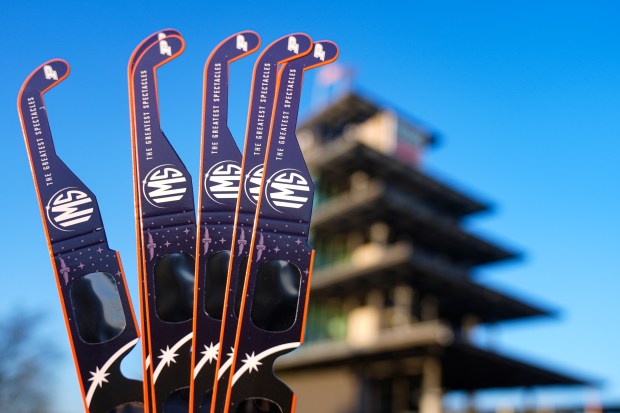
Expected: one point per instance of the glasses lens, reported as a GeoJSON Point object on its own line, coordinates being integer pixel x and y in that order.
{"type": "Point", "coordinates": [174, 287]}
{"type": "Point", "coordinates": [274, 304]}
{"type": "Point", "coordinates": [205, 405]}
{"type": "Point", "coordinates": [258, 405]}
{"type": "Point", "coordinates": [129, 408]}
{"type": "Point", "coordinates": [215, 283]}
{"type": "Point", "coordinates": [177, 401]}
{"type": "Point", "coordinates": [97, 308]}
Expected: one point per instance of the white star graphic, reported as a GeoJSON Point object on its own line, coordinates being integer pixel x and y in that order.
{"type": "Point", "coordinates": [276, 249]}
{"type": "Point", "coordinates": [166, 243]}
{"type": "Point", "coordinates": [252, 362]}
{"type": "Point", "coordinates": [211, 352]}
{"type": "Point", "coordinates": [186, 231]}
{"type": "Point", "coordinates": [99, 250]}
{"type": "Point", "coordinates": [81, 266]}
{"type": "Point", "coordinates": [232, 352]}
{"type": "Point", "coordinates": [298, 241]}
{"type": "Point", "coordinates": [99, 377]}
{"type": "Point", "coordinates": [167, 356]}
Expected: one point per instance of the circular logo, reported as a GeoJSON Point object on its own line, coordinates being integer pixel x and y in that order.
{"type": "Point", "coordinates": [287, 188]}
{"type": "Point", "coordinates": [221, 182]}
{"type": "Point", "coordinates": [164, 184]}
{"type": "Point", "coordinates": [69, 207]}
{"type": "Point", "coordinates": [251, 184]}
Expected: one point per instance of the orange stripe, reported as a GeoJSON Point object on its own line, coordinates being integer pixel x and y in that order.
{"type": "Point", "coordinates": [293, 403]}
{"type": "Point", "coordinates": [145, 334]}
{"type": "Point", "coordinates": [305, 315]}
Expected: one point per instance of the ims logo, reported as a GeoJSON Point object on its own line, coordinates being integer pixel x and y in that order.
{"type": "Point", "coordinates": [222, 181]}
{"type": "Point", "coordinates": [164, 184]}
{"type": "Point", "coordinates": [287, 188]}
{"type": "Point", "coordinates": [251, 184]}
{"type": "Point", "coordinates": [68, 207]}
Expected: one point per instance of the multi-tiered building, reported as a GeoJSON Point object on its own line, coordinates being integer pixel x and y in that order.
{"type": "Point", "coordinates": [393, 301]}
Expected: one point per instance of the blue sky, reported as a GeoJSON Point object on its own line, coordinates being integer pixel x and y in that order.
{"type": "Point", "coordinates": [525, 95]}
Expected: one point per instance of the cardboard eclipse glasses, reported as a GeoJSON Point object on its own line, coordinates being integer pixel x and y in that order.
{"type": "Point", "coordinates": [249, 294]}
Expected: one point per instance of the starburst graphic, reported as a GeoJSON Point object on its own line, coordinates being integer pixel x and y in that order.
{"type": "Point", "coordinates": [232, 352]}
{"type": "Point", "coordinates": [98, 377]}
{"type": "Point", "coordinates": [252, 362]}
{"type": "Point", "coordinates": [168, 356]}
{"type": "Point", "coordinates": [211, 352]}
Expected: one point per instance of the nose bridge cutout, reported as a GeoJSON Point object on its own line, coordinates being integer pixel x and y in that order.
{"type": "Point", "coordinates": [258, 405]}
{"type": "Point", "coordinates": [132, 407]}
{"type": "Point", "coordinates": [216, 273]}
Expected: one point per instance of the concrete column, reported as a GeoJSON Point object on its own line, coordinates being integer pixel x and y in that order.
{"type": "Point", "coordinates": [401, 395]}
{"type": "Point", "coordinates": [430, 401]}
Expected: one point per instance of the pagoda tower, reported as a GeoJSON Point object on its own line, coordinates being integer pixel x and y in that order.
{"type": "Point", "coordinates": [393, 301]}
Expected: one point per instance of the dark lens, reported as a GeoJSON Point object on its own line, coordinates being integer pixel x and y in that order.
{"type": "Point", "coordinates": [258, 405]}
{"type": "Point", "coordinates": [240, 283]}
{"type": "Point", "coordinates": [174, 287]}
{"type": "Point", "coordinates": [129, 408]}
{"type": "Point", "coordinates": [215, 283]}
{"type": "Point", "coordinates": [205, 404]}
{"type": "Point", "coordinates": [177, 401]}
{"type": "Point", "coordinates": [274, 303]}
{"type": "Point", "coordinates": [97, 308]}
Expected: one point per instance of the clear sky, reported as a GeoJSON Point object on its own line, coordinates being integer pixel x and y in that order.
{"type": "Point", "coordinates": [525, 95]}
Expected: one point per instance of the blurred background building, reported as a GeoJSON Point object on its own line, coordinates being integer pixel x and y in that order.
{"type": "Point", "coordinates": [393, 299]}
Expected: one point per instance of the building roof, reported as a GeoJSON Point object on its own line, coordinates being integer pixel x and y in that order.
{"type": "Point", "coordinates": [405, 214]}
{"type": "Point", "coordinates": [341, 157]}
{"type": "Point", "coordinates": [456, 294]}
{"type": "Point", "coordinates": [464, 365]}
{"type": "Point", "coordinates": [353, 108]}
